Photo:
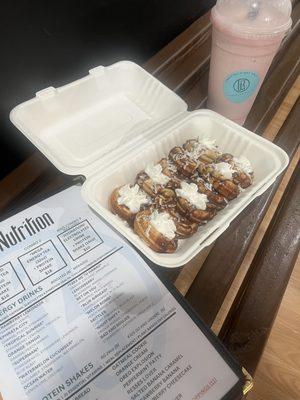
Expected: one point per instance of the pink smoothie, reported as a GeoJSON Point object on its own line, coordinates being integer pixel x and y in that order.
{"type": "Point", "coordinates": [242, 51]}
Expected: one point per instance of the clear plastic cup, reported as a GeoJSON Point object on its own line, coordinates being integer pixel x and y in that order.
{"type": "Point", "coordinates": [246, 37]}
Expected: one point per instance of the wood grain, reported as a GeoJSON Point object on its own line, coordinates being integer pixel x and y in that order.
{"type": "Point", "coordinates": [190, 271]}
{"type": "Point", "coordinates": [283, 111]}
{"type": "Point", "coordinates": [270, 133]}
{"type": "Point", "coordinates": [229, 299]}
{"type": "Point", "coordinates": [248, 324]}
{"type": "Point", "coordinates": [278, 373]}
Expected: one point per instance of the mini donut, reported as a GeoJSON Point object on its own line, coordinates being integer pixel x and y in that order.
{"type": "Point", "coordinates": [166, 199]}
{"type": "Point", "coordinates": [226, 187]}
{"type": "Point", "coordinates": [215, 199]}
{"type": "Point", "coordinates": [155, 178]}
{"type": "Point", "coordinates": [243, 172]}
{"type": "Point", "coordinates": [128, 212]}
{"type": "Point", "coordinates": [185, 228]}
{"type": "Point", "coordinates": [240, 177]}
{"type": "Point", "coordinates": [146, 230]}
{"type": "Point", "coordinates": [202, 150]}
{"type": "Point", "coordinates": [186, 197]}
{"type": "Point", "coordinates": [185, 165]}
{"type": "Point", "coordinates": [169, 169]}
{"type": "Point", "coordinates": [225, 157]}
{"type": "Point", "coordinates": [167, 202]}
{"type": "Point", "coordinates": [199, 216]}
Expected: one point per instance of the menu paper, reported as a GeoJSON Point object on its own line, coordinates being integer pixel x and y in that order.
{"type": "Point", "coordinates": [82, 316]}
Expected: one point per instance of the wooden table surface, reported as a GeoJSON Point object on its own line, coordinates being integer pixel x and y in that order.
{"type": "Point", "coordinates": [208, 279]}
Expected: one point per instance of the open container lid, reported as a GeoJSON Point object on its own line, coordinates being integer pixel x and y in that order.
{"type": "Point", "coordinates": [79, 126]}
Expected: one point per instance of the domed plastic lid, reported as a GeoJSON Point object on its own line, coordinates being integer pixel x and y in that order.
{"type": "Point", "coordinates": [253, 17]}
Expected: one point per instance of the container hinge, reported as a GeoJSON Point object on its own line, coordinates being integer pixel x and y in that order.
{"type": "Point", "coordinates": [46, 93]}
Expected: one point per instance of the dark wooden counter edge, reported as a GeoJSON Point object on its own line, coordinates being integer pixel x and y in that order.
{"type": "Point", "coordinates": [251, 317]}
{"type": "Point", "coordinates": [213, 281]}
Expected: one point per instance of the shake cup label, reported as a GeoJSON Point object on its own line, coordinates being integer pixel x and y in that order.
{"type": "Point", "coordinates": [241, 85]}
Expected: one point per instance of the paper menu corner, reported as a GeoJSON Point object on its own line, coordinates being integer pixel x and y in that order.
{"type": "Point", "coordinates": [81, 314]}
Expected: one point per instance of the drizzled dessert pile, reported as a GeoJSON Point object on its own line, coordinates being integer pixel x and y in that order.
{"type": "Point", "coordinates": [170, 200]}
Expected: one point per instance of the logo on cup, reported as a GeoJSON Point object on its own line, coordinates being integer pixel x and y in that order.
{"type": "Point", "coordinates": [241, 85]}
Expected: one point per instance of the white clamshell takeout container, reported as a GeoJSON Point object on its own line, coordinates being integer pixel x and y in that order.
{"type": "Point", "coordinates": [110, 124]}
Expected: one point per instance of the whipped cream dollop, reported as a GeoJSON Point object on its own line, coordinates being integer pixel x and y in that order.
{"type": "Point", "coordinates": [243, 164]}
{"type": "Point", "coordinates": [155, 173]}
{"type": "Point", "coordinates": [164, 224]}
{"type": "Point", "coordinates": [208, 143]}
{"type": "Point", "coordinates": [189, 192]}
{"type": "Point", "coordinates": [132, 197]}
{"type": "Point", "coordinates": [224, 169]}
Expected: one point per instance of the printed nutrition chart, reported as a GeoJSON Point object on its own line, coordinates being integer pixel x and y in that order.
{"type": "Point", "coordinates": [82, 316]}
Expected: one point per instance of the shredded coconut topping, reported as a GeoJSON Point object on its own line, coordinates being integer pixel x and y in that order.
{"type": "Point", "coordinates": [155, 173]}
{"type": "Point", "coordinates": [208, 186]}
{"type": "Point", "coordinates": [189, 192]}
{"type": "Point", "coordinates": [200, 146]}
{"type": "Point", "coordinates": [164, 224]}
{"type": "Point", "coordinates": [224, 169]}
{"type": "Point", "coordinates": [172, 167]}
{"type": "Point", "coordinates": [243, 164]}
{"type": "Point", "coordinates": [132, 197]}
{"type": "Point", "coordinates": [208, 143]}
